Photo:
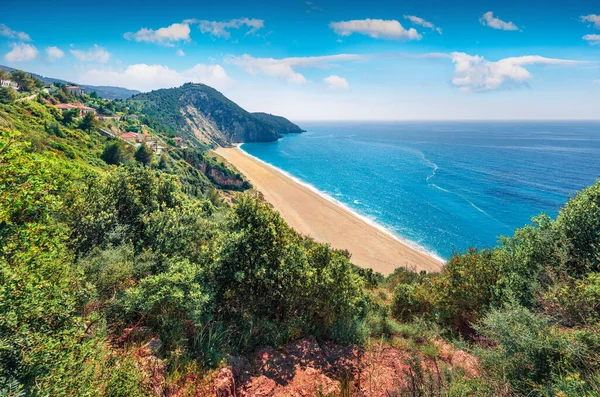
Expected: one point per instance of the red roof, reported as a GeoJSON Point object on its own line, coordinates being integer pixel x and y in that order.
{"type": "Point", "coordinates": [129, 135]}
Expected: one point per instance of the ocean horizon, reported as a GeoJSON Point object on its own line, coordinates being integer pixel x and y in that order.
{"type": "Point", "coordinates": [441, 186]}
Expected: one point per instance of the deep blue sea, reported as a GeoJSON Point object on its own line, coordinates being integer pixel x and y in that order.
{"type": "Point", "coordinates": [443, 185]}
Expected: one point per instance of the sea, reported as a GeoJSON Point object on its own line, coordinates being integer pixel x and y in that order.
{"type": "Point", "coordinates": [442, 186]}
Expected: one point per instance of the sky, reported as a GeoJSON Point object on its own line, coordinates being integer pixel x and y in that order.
{"type": "Point", "coordinates": [327, 59]}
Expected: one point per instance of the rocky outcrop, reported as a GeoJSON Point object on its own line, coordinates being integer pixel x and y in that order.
{"type": "Point", "coordinates": [226, 181]}
{"type": "Point", "coordinates": [306, 368]}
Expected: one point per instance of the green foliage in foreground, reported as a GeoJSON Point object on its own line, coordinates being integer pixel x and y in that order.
{"type": "Point", "coordinates": [535, 298]}
{"type": "Point", "coordinates": [98, 258]}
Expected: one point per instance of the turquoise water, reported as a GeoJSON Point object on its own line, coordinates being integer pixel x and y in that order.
{"type": "Point", "coordinates": [443, 185]}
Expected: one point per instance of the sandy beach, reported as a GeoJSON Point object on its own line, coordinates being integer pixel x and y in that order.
{"type": "Point", "coordinates": [313, 215]}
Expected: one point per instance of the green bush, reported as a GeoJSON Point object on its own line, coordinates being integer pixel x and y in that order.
{"type": "Point", "coordinates": [574, 302]}
{"type": "Point", "coordinates": [579, 223]}
{"type": "Point", "coordinates": [530, 352]}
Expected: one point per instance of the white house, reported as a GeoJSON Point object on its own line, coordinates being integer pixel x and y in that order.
{"type": "Point", "coordinates": [75, 90]}
{"type": "Point", "coordinates": [9, 84]}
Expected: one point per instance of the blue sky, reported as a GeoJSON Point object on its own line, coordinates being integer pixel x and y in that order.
{"type": "Point", "coordinates": [328, 59]}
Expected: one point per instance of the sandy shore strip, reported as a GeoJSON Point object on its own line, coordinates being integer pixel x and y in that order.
{"type": "Point", "coordinates": [313, 215]}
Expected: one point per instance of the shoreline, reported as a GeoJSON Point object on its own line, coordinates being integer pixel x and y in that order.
{"type": "Point", "coordinates": [372, 222]}
{"type": "Point", "coordinates": [316, 214]}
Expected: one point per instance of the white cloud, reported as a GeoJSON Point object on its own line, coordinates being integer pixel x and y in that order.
{"type": "Point", "coordinates": [376, 28]}
{"type": "Point", "coordinates": [13, 34]}
{"type": "Point", "coordinates": [21, 52]}
{"type": "Point", "coordinates": [180, 53]}
{"type": "Point", "coordinates": [54, 53]}
{"type": "Point", "coordinates": [94, 54]}
{"type": "Point", "coordinates": [336, 83]}
{"type": "Point", "coordinates": [596, 81]}
{"type": "Point", "coordinates": [221, 28]}
{"type": "Point", "coordinates": [285, 68]}
{"type": "Point", "coordinates": [163, 36]}
{"type": "Point", "coordinates": [145, 77]}
{"type": "Point", "coordinates": [421, 22]}
{"type": "Point", "coordinates": [593, 19]}
{"type": "Point", "coordinates": [592, 38]}
{"type": "Point", "coordinates": [488, 19]}
{"type": "Point", "coordinates": [474, 73]}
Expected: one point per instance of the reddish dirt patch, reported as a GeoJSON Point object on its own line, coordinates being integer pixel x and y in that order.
{"type": "Point", "coordinates": [306, 368]}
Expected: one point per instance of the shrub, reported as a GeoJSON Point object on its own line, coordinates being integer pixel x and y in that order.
{"type": "Point", "coordinates": [574, 302]}
{"type": "Point", "coordinates": [406, 304]}
{"type": "Point", "coordinates": [579, 223]}
{"type": "Point", "coordinates": [530, 352]}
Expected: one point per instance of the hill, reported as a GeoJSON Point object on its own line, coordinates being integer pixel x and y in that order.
{"type": "Point", "coordinates": [197, 110]}
{"type": "Point", "coordinates": [281, 124]}
{"type": "Point", "coordinates": [108, 92]}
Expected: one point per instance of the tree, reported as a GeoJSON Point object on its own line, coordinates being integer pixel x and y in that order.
{"type": "Point", "coordinates": [144, 154]}
{"type": "Point", "coordinates": [163, 162]}
{"type": "Point", "coordinates": [4, 75]}
{"type": "Point", "coordinates": [117, 153]}
{"type": "Point", "coordinates": [88, 122]}
{"type": "Point", "coordinates": [25, 81]}
{"type": "Point", "coordinates": [69, 115]}
{"type": "Point", "coordinates": [7, 95]}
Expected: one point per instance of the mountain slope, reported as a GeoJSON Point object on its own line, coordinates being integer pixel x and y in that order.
{"type": "Point", "coordinates": [199, 111]}
{"type": "Point", "coordinates": [283, 125]}
{"type": "Point", "coordinates": [108, 92]}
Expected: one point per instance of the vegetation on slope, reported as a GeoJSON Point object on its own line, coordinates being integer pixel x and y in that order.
{"type": "Point", "coordinates": [98, 258]}
{"type": "Point", "coordinates": [132, 278]}
{"type": "Point", "coordinates": [201, 111]}
{"type": "Point", "coordinates": [280, 124]}
{"type": "Point", "coordinates": [107, 92]}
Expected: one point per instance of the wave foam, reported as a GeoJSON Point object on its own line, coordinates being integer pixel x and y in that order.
{"type": "Point", "coordinates": [370, 221]}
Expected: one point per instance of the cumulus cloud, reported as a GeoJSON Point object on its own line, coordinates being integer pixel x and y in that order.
{"type": "Point", "coordinates": [422, 22]}
{"type": "Point", "coordinates": [94, 54]}
{"type": "Point", "coordinates": [474, 73]}
{"type": "Point", "coordinates": [163, 36]}
{"type": "Point", "coordinates": [5, 31]}
{"type": "Point", "coordinates": [592, 38]}
{"type": "Point", "coordinates": [222, 28]}
{"type": "Point", "coordinates": [336, 83]}
{"type": "Point", "coordinates": [180, 53]}
{"type": "Point", "coordinates": [285, 68]}
{"type": "Point", "coordinates": [591, 18]}
{"type": "Point", "coordinates": [54, 53]}
{"type": "Point", "coordinates": [488, 19]}
{"type": "Point", "coordinates": [145, 77]}
{"type": "Point", "coordinates": [376, 28]}
{"type": "Point", "coordinates": [21, 52]}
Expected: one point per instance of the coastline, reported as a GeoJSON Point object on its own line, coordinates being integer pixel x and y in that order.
{"type": "Point", "coordinates": [317, 215]}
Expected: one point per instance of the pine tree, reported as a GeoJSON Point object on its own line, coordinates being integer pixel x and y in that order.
{"type": "Point", "coordinates": [144, 155]}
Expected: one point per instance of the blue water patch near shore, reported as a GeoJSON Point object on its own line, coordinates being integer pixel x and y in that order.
{"type": "Point", "coordinates": [445, 186]}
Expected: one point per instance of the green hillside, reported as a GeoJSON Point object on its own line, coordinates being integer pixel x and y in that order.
{"type": "Point", "coordinates": [108, 92]}
{"type": "Point", "coordinates": [199, 111]}
{"type": "Point", "coordinates": [127, 273]}
{"type": "Point", "coordinates": [281, 124]}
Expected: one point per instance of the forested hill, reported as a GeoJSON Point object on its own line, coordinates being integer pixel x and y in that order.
{"type": "Point", "coordinates": [283, 125]}
{"type": "Point", "coordinates": [197, 110]}
{"type": "Point", "coordinates": [108, 92]}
